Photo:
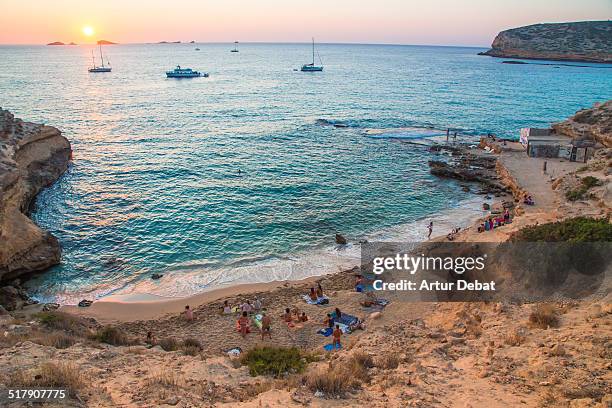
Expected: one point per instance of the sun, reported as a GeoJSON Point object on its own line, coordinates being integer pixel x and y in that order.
{"type": "Point", "coordinates": [88, 31]}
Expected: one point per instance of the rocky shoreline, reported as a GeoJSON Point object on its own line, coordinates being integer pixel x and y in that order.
{"type": "Point", "coordinates": [32, 157]}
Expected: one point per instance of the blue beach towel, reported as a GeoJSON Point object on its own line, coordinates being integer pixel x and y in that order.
{"type": "Point", "coordinates": [345, 319]}
{"type": "Point", "coordinates": [331, 347]}
{"type": "Point", "coordinates": [326, 332]}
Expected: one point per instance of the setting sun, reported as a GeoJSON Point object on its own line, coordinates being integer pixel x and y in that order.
{"type": "Point", "coordinates": [88, 31]}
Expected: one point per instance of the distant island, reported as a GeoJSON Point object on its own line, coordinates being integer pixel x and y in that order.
{"type": "Point", "coordinates": [169, 42]}
{"type": "Point", "coordinates": [585, 41]}
{"type": "Point", "coordinates": [61, 43]}
{"type": "Point", "coordinates": [105, 42]}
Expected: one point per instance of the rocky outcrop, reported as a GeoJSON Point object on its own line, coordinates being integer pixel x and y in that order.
{"type": "Point", "coordinates": [32, 157]}
{"type": "Point", "coordinates": [589, 41]}
{"type": "Point", "coordinates": [593, 124]}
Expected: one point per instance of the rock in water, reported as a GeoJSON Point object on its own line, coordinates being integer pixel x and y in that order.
{"type": "Point", "coordinates": [156, 276]}
{"type": "Point", "coordinates": [85, 303]}
{"type": "Point", "coordinates": [340, 240]}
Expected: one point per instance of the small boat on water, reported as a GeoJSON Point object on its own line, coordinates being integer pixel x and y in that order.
{"type": "Point", "coordinates": [235, 47]}
{"type": "Point", "coordinates": [179, 72]}
{"type": "Point", "coordinates": [312, 67]}
{"type": "Point", "coordinates": [197, 49]}
{"type": "Point", "coordinates": [101, 68]}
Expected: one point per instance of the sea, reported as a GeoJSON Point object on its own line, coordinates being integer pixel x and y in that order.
{"type": "Point", "coordinates": [247, 175]}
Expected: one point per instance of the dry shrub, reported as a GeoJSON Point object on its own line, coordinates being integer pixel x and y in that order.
{"type": "Point", "coordinates": [64, 322]}
{"type": "Point", "coordinates": [49, 375]}
{"type": "Point", "coordinates": [387, 381]}
{"type": "Point", "coordinates": [165, 379]}
{"type": "Point", "coordinates": [191, 347]}
{"type": "Point", "coordinates": [169, 344]}
{"type": "Point", "coordinates": [515, 337]}
{"type": "Point", "coordinates": [363, 359]}
{"type": "Point", "coordinates": [388, 362]}
{"type": "Point", "coordinates": [543, 316]}
{"type": "Point", "coordinates": [113, 336]}
{"type": "Point", "coordinates": [338, 379]}
{"type": "Point", "coordinates": [252, 390]}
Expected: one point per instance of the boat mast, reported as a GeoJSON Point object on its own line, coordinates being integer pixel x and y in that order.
{"type": "Point", "coordinates": [101, 58]}
{"type": "Point", "coordinates": [313, 51]}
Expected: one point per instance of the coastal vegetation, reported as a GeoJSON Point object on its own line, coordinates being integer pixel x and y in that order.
{"type": "Point", "coordinates": [578, 229]}
{"type": "Point", "coordinates": [274, 361]}
{"type": "Point", "coordinates": [586, 184]}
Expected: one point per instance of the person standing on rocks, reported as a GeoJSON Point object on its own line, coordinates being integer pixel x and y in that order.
{"type": "Point", "coordinates": [429, 229]}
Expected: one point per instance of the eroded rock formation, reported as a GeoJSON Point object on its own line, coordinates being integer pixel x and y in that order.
{"type": "Point", "coordinates": [32, 156]}
{"type": "Point", "coordinates": [589, 124]}
{"type": "Point", "coordinates": [589, 41]}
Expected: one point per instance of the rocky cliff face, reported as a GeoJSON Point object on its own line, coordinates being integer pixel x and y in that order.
{"type": "Point", "coordinates": [32, 157]}
{"type": "Point", "coordinates": [581, 41]}
{"type": "Point", "coordinates": [589, 124]}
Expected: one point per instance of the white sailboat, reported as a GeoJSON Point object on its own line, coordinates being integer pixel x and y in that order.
{"type": "Point", "coordinates": [312, 67]}
{"type": "Point", "coordinates": [102, 68]}
{"type": "Point", "coordinates": [235, 47]}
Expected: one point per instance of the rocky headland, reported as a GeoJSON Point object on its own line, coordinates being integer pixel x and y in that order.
{"type": "Point", "coordinates": [588, 41]}
{"type": "Point", "coordinates": [32, 157]}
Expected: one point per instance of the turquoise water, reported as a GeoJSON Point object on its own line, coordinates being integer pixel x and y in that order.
{"type": "Point", "coordinates": [154, 186]}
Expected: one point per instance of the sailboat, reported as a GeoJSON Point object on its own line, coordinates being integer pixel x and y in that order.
{"type": "Point", "coordinates": [101, 68]}
{"type": "Point", "coordinates": [235, 47]}
{"type": "Point", "coordinates": [312, 67]}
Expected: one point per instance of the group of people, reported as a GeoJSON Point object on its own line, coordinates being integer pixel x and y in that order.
{"type": "Point", "coordinates": [451, 235]}
{"type": "Point", "coordinates": [495, 222]}
{"type": "Point", "coordinates": [527, 199]}
{"type": "Point", "coordinates": [316, 293]}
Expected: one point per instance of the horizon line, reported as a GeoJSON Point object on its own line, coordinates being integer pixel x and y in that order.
{"type": "Point", "coordinates": [170, 42]}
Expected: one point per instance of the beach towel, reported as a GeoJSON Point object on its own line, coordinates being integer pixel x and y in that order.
{"type": "Point", "coordinates": [331, 347]}
{"type": "Point", "coordinates": [345, 319]}
{"type": "Point", "coordinates": [320, 301]}
{"type": "Point", "coordinates": [234, 352]}
{"type": "Point", "coordinates": [329, 330]}
{"type": "Point", "coordinates": [257, 320]}
{"type": "Point", "coordinates": [326, 332]}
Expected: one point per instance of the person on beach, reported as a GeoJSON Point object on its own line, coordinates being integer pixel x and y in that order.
{"type": "Point", "coordinates": [287, 316]}
{"type": "Point", "coordinates": [319, 290]}
{"type": "Point", "coordinates": [150, 339]}
{"type": "Point", "coordinates": [227, 309]}
{"type": "Point", "coordinates": [506, 215]}
{"type": "Point", "coordinates": [329, 321]}
{"type": "Point", "coordinates": [258, 304]}
{"type": "Point", "coordinates": [303, 317]}
{"type": "Point", "coordinates": [188, 313]}
{"type": "Point", "coordinates": [491, 226]}
{"type": "Point", "coordinates": [447, 134]}
{"type": "Point", "coordinates": [338, 313]}
{"type": "Point", "coordinates": [313, 295]}
{"type": "Point", "coordinates": [246, 307]}
{"type": "Point", "coordinates": [266, 326]}
{"type": "Point", "coordinates": [454, 136]}
{"type": "Point", "coordinates": [243, 323]}
{"type": "Point", "coordinates": [337, 334]}
{"type": "Point", "coordinates": [429, 229]}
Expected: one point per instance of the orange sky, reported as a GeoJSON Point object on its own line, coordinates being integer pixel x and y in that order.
{"type": "Point", "coordinates": [452, 22]}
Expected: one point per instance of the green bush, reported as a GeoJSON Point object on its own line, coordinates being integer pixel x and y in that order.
{"type": "Point", "coordinates": [579, 229]}
{"type": "Point", "coordinates": [274, 361]}
{"type": "Point", "coordinates": [586, 184]}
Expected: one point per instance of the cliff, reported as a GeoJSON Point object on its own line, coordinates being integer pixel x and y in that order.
{"type": "Point", "coordinates": [589, 124]}
{"type": "Point", "coordinates": [589, 41]}
{"type": "Point", "coordinates": [32, 157]}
